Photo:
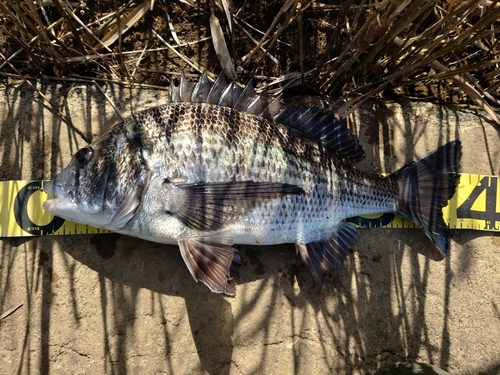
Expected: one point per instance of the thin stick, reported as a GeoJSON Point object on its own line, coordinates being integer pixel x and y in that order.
{"type": "Point", "coordinates": [189, 61]}
{"type": "Point", "coordinates": [462, 83]}
{"type": "Point", "coordinates": [34, 87]}
{"type": "Point", "coordinates": [84, 27]}
{"type": "Point", "coordinates": [110, 101]}
{"type": "Point", "coordinates": [9, 312]}
{"type": "Point", "coordinates": [273, 59]}
{"type": "Point", "coordinates": [301, 40]}
{"type": "Point", "coordinates": [138, 61]}
{"type": "Point", "coordinates": [282, 11]}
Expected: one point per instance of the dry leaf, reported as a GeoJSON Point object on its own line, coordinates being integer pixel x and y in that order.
{"type": "Point", "coordinates": [126, 23]}
{"type": "Point", "coordinates": [221, 48]}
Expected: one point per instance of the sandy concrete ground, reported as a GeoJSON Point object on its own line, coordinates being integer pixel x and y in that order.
{"type": "Point", "coordinates": [100, 304]}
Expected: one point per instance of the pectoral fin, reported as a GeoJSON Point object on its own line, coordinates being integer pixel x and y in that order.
{"type": "Point", "coordinates": [212, 261]}
{"type": "Point", "coordinates": [326, 256]}
{"type": "Point", "coordinates": [208, 206]}
{"type": "Point", "coordinates": [129, 207]}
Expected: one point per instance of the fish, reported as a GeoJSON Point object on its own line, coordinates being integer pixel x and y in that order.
{"type": "Point", "coordinates": [221, 165]}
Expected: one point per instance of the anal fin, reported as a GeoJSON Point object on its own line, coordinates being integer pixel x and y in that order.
{"type": "Point", "coordinates": [329, 255]}
{"type": "Point", "coordinates": [212, 261]}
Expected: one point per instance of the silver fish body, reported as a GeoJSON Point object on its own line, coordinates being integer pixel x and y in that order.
{"type": "Point", "coordinates": [211, 150]}
{"type": "Point", "coordinates": [222, 165]}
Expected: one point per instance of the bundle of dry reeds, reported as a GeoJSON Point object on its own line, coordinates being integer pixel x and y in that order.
{"type": "Point", "coordinates": [357, 49]}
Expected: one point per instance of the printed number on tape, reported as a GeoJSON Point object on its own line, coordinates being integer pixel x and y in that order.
{"type": "Point", "coordinates": [475, 205]}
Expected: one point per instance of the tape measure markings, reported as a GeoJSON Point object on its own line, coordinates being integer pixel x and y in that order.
{"type": "Point", "coordinates": [475, 205]}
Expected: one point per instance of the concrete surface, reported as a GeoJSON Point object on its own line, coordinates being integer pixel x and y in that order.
{"type": "Point", "coordinates": [111, 304]}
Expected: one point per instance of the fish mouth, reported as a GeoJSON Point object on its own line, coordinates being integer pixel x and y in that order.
{"type": "Point", "coordinates": [48, 204]}
{"type": "Point", "coordinates": [62, 205]}
{"type": "Point", "coordinates": [49, 187]}
{"type": "Point", "coordinates": [53, 189]}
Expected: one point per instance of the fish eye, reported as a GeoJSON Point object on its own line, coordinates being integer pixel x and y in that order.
{"type": "Point", "coordinates": [83, 156]}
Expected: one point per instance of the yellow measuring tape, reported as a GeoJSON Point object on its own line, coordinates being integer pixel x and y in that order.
{"type": "Point", "coordinates": [21, 213]}
{"type": "Point", "coordinates": [475, 205]}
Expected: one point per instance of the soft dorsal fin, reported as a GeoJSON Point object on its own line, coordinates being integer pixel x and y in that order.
{"type": "Point", "coordinates": [320, 124]}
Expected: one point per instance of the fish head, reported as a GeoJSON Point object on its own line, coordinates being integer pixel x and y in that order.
{"type": "Point", "coordinates": [103, 184]}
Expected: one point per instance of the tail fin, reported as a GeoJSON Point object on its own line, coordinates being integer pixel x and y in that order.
{"type": "Point", "coordinates": [425, 186]}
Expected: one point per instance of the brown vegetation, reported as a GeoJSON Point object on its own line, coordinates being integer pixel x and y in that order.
{"type": "Point", "coordinates": [355, 49]}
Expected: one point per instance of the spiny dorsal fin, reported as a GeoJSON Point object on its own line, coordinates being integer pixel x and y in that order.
{"type": "Point", "coordinates": [185, 89]}
{"type": "Point", "coordinates": [201, 89]}
{"type": "Point", "coordinates": [320, 124]}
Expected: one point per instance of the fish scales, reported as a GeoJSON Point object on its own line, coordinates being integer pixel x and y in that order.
{"type": "Point", "coordinates": [202, 142]}
{"type": "Point", "coordinates": [238, 146]}
{"type": "Point", "coordinates": [221, 164]}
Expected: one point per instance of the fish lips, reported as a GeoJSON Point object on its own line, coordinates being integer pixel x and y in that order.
{"type": "Point", "coordinates": [63, 206]}
{"type": "Point", "coordinates": [53, 189]}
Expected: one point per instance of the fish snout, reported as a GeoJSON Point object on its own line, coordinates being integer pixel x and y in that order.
{"type": "Point", "coordinates": [56, 191]}
{"type": "Point", "coordinates": [49, 187]}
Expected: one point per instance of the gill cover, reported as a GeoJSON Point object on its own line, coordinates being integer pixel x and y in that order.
{"type": "Point", "coordinates": [104, 183]}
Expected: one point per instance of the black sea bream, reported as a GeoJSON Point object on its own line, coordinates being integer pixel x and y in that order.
{"type": "Point", "coordinates": [222, 165]}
